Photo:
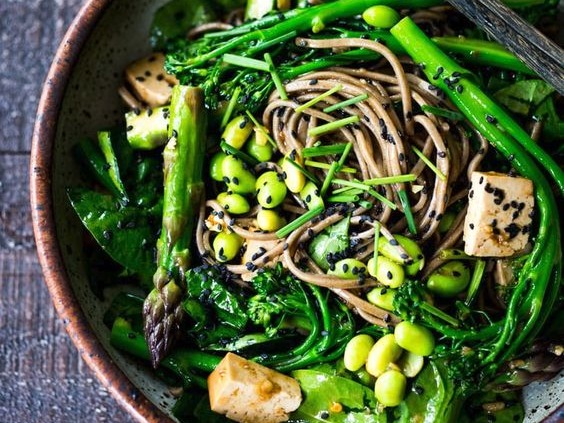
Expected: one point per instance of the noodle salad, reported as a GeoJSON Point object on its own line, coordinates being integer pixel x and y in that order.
{"type": "Point", "coordinates": [332, 211]}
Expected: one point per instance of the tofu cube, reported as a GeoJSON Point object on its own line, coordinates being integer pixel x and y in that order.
{"type": "Point", "coordinates": [499, 217]}
{"type": "Point", "coordinates": [149, 81]}
{"type": "Point", "coordinates": [250, 393]}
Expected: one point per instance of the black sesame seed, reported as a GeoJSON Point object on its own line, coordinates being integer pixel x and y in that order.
{"type": "Point", "coordinates": [235, 180]}
{"type": "Point", "coordinates": [389, 275]}
{"type": "Point", "coordinates": [471, 225]}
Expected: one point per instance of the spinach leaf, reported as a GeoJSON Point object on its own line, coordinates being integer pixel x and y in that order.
{"type": "Point", "coordinates": [176, 18]}
{"type": "Point", "coordinates": [219, 314]}
{"type": "Point", "coordinates": [521, 96]}
{"type": "Point", "coordinates": [126, 233]}
{"type": "Point", "coordinates": [332, 240]}
{"type": "Point", "coordinates": [322, 390]}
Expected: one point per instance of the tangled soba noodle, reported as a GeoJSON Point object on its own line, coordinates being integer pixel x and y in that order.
{"type": "Point", "coordinates": [390, 125]}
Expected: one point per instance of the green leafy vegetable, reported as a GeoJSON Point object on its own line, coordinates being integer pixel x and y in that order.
{"type": "Point", "coordinates": [333, 240]}
{"type": "Point", "coordinates": [321, 391]}
{"type": "Point", "coordinates": [521, 97]}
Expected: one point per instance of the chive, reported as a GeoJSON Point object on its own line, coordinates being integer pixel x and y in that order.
{"type": "Point", "coordinates": [428, 163]}
{"type": "Point", "coordinates": [327, 166]}
{"type": "Point", "coordinates": [231, 107]}
{"type": "Point", "coordinates": [410, 177]}
{"type": "Point", "coordinates": [246, 62]}
{"type": "Point", "coordinates": [239, 154]}
{"type": "Point", "coordinates": [262, 129]}
{"type": "Point", "coordinates": [404, 199]}
{"type": "Point", "coordinates": [348, 190]}
{"type": "Point", "coordinates": [323, 150]}
{"type": "Point", "coordinates": [275, 77]}
{"type": "Point", "coordinates": [454, 254]}
{"type": "Point", "coordinates": [343, 199]}
{"type": "Point", "coordinates": [376, 242]}
{"type": "Point", "coordinates": [295, 224]}
{"type": "Point", "coordinates": [333, 126]}
{"type": "Point", "coordinates": [439, 111]}
{"type": "Point", "coordinates": [306, 172]}
{"type": "Point", "coordinates": [346, 103]}
{"type": "Point", "coordinates": [365, 204]}
{"type": "Point", "coordinates": [439, 313]}
{"type": "Point", "coordinates": [335, 166]}
{"type": "Point", "coordinates": [267, 44]}
{"type": "Point", "coordinates": [329, 178]}
{"type": "Point", "coordinates": [317, 99]}
{"type": "Point", "coordinates": [359, 185]}
{"type": "Point", "coordinates": [476, 280]}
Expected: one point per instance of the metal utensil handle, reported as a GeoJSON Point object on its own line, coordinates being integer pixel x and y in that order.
{"type": "Point", "coordinates": [522, 39]}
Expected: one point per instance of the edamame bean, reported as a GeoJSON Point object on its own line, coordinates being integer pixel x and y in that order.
{"type": "Point", "coordinates": [226, 246]}
{"type": "Point", "coordinates": [450, 279]}
{"type": "Point", "coordinates": [356, 351]}
{"type": "Point", "coordinates": [310, 195]}
{"type": "Point", "coordinates": [261, 152]}
{"type": "Point", "coordinates": [271, 190]}
{"type": "Point", "coordinates": [411, 364]}
{"type": "Point", "coordinates": [237, 131]}
{"type": "Point", "coordinates": [348, 268]}
{"type": "Point", "coordinates": [216, 163]}
{"type": "Point", "coordinates": [237, 177]}
{"type": "Point", "coordinates": [390, 388]}
{"type": "Point", "coordinates": [381, 16]}
{"type": "Point", "coordinates": [269, 220]}
{"type": "Point", "coordinates": [382, 297]}
{"type": "Point", "coordinates": [413, 250]}
{"type": "Point", "coordinates": [414, 338]}
{"type": "Point", "coordinates": [388, 272]}
{"type": "Point", "coordinates": [233, 203]}
{"type": "Point", "coordinates": [293, 177]}
{"type": "Point", "coordinates": [384, 352]}
{"type": "Point", "coordinates": [446, 222]}
{"type": "Point", "coordinates": [365, 378]}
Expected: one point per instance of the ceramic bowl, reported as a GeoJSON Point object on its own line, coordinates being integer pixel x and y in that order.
{"type": "Point", "coordinates": [79, 98]}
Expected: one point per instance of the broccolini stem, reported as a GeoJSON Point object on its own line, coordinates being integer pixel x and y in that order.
{"type": "Point", "coordinates": [183, 194]}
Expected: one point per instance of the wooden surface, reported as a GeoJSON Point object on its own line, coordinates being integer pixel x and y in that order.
{"type": "Point", "coordinates": [42, 377]}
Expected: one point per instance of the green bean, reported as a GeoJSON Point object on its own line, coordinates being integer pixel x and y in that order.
{"type": "Point", "coordinates": [234, 203]}
{"type": "Point", "coordinates": [381, 16]}
{"type": "Point", "coordinates": [271, 190]}
{"type": "Point", "coordinates": [237, 131]}
{"type": "Point", "coordinates": [269, 220]}
{"type": "Point", "coordinates": [384, 352]}
{"type": "Point", "coordinates": [382, 297]}
{"type": "Point", "coordinates": [216, 164]}
{"type": "Point", "coordinates": [310, 195]}
{"type": "Point", "coordinates": [226, 246]}
{"type": "Point", "coordinates": [390, 388]}
{"type": "Point", "coordinates": [450, 279]}
{"type": "Point", "coordinates": [388, 272]}
{"type": "Point", "coordinates": [348, 268]}
{"type": "Point", "coordinates": [295, 180]}
{"type": "Point", "coordinates": [414, 338]}
{"type": "Point", "coordinates": [237, 177]}
{"type": "Point", "coordinates": [413, 250]}
{"type": "Point", "coordinates": [356, 352]}
{"type": "Point", "coordinates": [411, 364]}
{"type": "Point", "coordinates": [261, 152]}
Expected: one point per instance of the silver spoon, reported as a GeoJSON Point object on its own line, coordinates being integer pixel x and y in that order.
{"type": "Point", "coordinates": [538, 52]}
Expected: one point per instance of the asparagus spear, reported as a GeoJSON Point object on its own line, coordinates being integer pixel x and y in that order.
{"type": "Point", "coordinates": [183, 193]}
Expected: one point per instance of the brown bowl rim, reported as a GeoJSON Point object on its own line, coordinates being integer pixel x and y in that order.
{"type": "Point", "coordinates": [49, 253]}
{"type": "Point", "coordinates": [50, 257]}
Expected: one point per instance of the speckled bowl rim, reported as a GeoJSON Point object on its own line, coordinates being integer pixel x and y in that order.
{"type": "Point", "coordinates": [50, 257]}
{"type": "Point", "coordinates": [48, 249]}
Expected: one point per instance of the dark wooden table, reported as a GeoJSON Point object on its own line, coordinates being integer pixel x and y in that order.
{"type": "Point", "coordinates": [42, 377]}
